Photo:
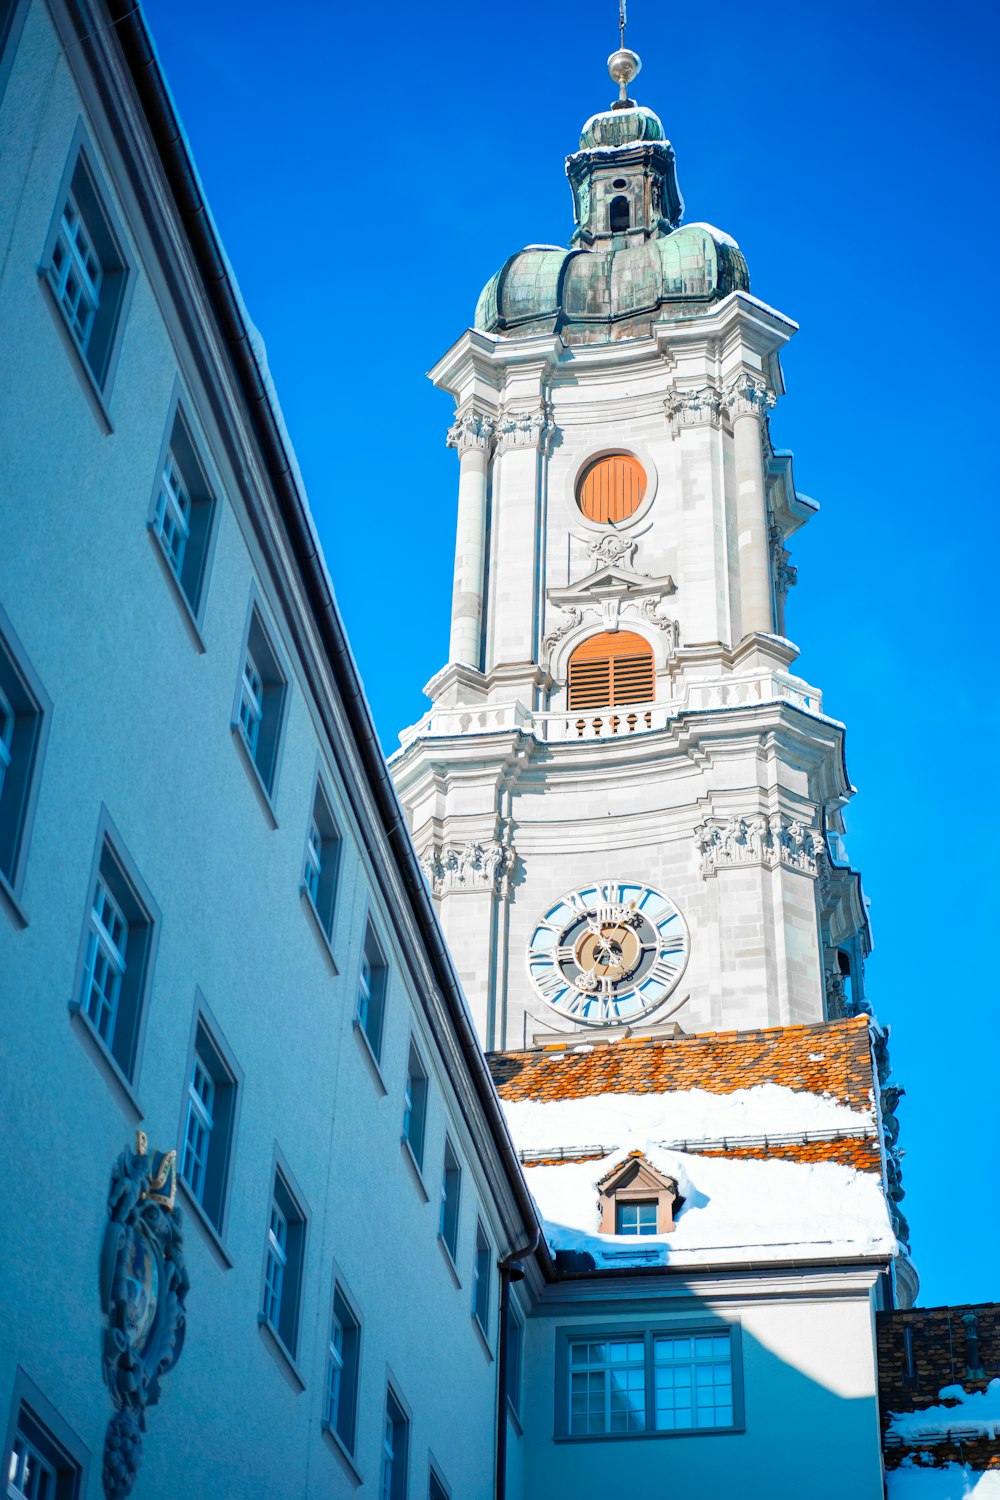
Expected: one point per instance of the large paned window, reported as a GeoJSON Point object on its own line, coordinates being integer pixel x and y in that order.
{"type": "Point", "coordinates": [117, 958]}
{"type": "Point", "coordinates": [649, 1381]}
{"type": "Point", "coordinates": [209, 1125]}
{"type": "Point", "coordinates": [24, 719]}
{"type": "Point", "coordinates": [182, 514]}
{"type": "Point", "coordinates": [86, 268]}
{"type": "Point", "coordinates": [46, 1460]}
{"type": "Point", "coordinates": [415, 1105]}
{"type": "Point", "coordinates": [515, 1347]}
{"type": "Point", "coordinates": [395, 1445]}
{"type": "Point", "coordinates": [451, 1192]}
{"type": "Point", "coordinates": [482, 1276]}
{"type": "Point", "coordinates": [372, 978]}
{"type": "Point", "coordinates": [284, 1260]}
{"type": "Point", "coordinates": [342, 1369]}
{"type": "Point", "coordinates": [321, 861]}
{"type": "Point", "coordinates": [261, 696]}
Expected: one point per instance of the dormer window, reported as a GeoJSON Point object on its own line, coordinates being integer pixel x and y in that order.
{"type": "Point", "coordinates": [637, 1199]}
{"type": "Point", "coordinates": [618, 215]}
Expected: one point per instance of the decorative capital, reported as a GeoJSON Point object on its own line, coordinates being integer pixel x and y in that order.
{"type": "Point", "coordinates": [476, 866]}
{"type": "Point", "coordinates": [525, 429]}
{"type": "Point", "coordinates": [757, 839]}
{"type": "Point", "coordinates": [747, 396]}
{"type": "Point", "coordinates": [700, 407]}
{"type": "Point", "coordinates": [471, 429]}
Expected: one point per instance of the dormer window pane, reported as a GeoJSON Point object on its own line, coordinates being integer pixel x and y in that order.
{"type": "Point", "coordinates": [636, 1218]}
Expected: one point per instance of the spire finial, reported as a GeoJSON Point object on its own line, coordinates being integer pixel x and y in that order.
{"type": "Point", "coordinates": [624, 64]}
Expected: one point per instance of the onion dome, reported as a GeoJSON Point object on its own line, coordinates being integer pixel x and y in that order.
{"type": "Point", "coordinates": [621, 127]}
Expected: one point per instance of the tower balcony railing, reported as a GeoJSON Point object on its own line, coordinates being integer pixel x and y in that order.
{"type": "Point", "coordinates": [615, 723]}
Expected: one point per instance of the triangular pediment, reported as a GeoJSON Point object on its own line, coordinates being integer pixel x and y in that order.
{"type": "Point", "coordinates": [638, 1175]}
{"type": "Point", "coordinates": [608, 580]}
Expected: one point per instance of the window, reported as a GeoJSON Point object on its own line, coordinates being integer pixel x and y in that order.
{"type": "Point", "coordinates": [611, 669]}
{"type": "Point", "coordinates": [182, 513]}
{"type": "Point", "coordinates": [260, 702]}
{"type": "Point", "coordinates": [41, 1465]}
{"type": "Point", "coordinates": [636, 1218]}
{"type": "Point", "coordinates": [395, 1442]}
{"type": "Point", "coordinates": [515, 1342]}
{"type": "Point", "coordinates": [322, 857]}
{"type": "Point", "coordinates": [451, 1188]}
{"type": "Point", "coordinates": [482, 1275]}
{"type": "Point", "coordinates": [437, 1489]}
{"type": "Point", "coordinates": [618, 215]}
{"type": "Point", "coordinates": [24, 721]}
{"type": "Point", "coordinates": [648, 1381]}
{"type": "Point", "coordinates": [342, 1369]}
{"type": "Point", "coordinates": [611, 488]}
{"type": "Point", "coordinates": [284, 1259]}
{"type": "Point", "coordinates": [117, 954]}
{"type": "Point", "coordinates": [415, 1105]}
{"type": "Point", "coordinates": [209, 1125]}
{"type": "Point", "coordinates": [371, 992]}
{"type": "Point", "coordinates": [86, 268]}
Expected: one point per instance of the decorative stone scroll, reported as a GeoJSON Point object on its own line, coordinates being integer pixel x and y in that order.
{"type": "Point", "coordinates": [486, 865]}
{"type": "Point", "coordinates": [784, 574]}
{"type": "Point", "coordinates": [768, 839]}
{"type": "Point", "coordinates": [471, 429]}
{"type": "Point", "coordinates": [610, 613]}
{"type": "Point", "coordinates": [525, 429]}
{"type": "Point", "coordinates": [614, 551]}
{"type": "Point", "coordinates": [143, 1284]}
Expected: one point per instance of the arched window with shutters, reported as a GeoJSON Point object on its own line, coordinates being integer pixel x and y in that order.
{"type": "Point", "coordinates": [611, 669]}
{"type": "Point", "coordinates": [611, 488]}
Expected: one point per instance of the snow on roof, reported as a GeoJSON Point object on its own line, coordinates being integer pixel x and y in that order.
{"type": "Point", "coordinates": [679, 1116]}
{"type": "Point", "coordinates": [717, 234]}
{"type": "Point", "coordinates": [952, 1482]}
{"type": "Point", "coordinates": [733, 1210]}
{"type": "Point", "coordinates": [970, 1414]}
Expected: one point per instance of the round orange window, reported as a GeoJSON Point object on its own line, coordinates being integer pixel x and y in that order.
{"type": "Point", "coordinates": [611, 488]}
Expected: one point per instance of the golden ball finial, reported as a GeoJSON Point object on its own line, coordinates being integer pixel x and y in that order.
{"type": "Point", "coordinates": [623, 66]}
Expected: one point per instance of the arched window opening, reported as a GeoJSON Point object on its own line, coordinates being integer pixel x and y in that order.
{"type": "Point", "coordinates": [611, 669]}
{"type": "Point", "coordinates": [611, 488]}
{"type": "Point", "coordinates": [619, 215]}
{"type": "Point", "coordinates": [846, 972]}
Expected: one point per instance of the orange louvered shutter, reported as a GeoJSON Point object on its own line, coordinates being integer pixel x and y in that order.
{"type": "Point", "coordinates": [609, 670]}
{"type": "Point", "coordinates": [611, 488]}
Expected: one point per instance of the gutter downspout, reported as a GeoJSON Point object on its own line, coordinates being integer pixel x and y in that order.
{"type": "Point", "coordinates": [510, 1269]}
{"type": "Point", "coordinates": [157, 104]}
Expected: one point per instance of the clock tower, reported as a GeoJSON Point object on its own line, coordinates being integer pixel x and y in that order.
{"type": "Point", "coordinates": [627, 802]}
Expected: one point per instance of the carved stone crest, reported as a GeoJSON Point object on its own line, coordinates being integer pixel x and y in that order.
{"type": "Point", "coordinates": [143, 1284]}
{"type": "Point", "coordinates": [614, 550]}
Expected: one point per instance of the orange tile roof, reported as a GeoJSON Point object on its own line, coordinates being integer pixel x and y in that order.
{"type": "Point", "coordinates": [830, 1057]}
{"type": "Point", "coordinates": [860, 1152]}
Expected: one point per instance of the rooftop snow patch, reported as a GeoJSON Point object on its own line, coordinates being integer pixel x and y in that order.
{"type": "Point", "coordinates": [952, 1482]}
{"type": "Point", "coordinates": [684, 1116]}
{"type": "Point", "coordinates": [970, 1414]}
{"type": "Point", "coordinates": [733, 1210]}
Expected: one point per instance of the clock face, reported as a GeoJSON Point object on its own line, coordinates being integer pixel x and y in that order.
{"type": "Point", "coordinates": [608, 953]}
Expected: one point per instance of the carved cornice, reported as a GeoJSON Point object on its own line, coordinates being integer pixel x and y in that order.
{"type": "Point", "coordinates": [767, 839]}
{"type": "Point", "coordinates": [479, 865]}
{"type": "Point", "coordinates": [525, 429]}
{"type": "Point", "coordinates": [471, 429]}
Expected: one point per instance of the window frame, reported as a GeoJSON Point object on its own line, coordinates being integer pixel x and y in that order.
{"type": "Point", "coordinates": [227, 1118]}
{"type": "Point", "coordinates": [648, 1331]}
{"type": "Point", "coordinates": [340, 1290]}
{"type": "Point", "coordinates": [259, 645]}
{"type": "Point", "coordinates": [363, 1025]}
{"type": "Point", "coordinates": [285, 1195]}
{"type": "Point", "coordinates": [68, 1454]}
{"type": "Point", "coordinates": [98, 373]}
{"type": "Point", "coordinates": [205, 498]}
{"type": "Point", "coordinates": [121, 1061]}
{"type": "Point", "coordinates": [438, 1487]}
{"type": "Point", "coordinates": [323, 909]}
{"type": "Point", "coordinates": [400, 1475]}
{"type": "Point", "coordinates": [415, 1140]}
{"type": "Point", "coordinates": [31, 710]}
{"type": "Point", "coordinates": [482, 1262]}
{"type": "Point", "coordinates": [514, 1334]}
{"type": "Point", "coordinates": [451, 1203]}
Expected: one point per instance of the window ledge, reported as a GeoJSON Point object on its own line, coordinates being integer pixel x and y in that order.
{"type": "Point", "coordinates": [449, 1261]}
{"type": "Point", "coordinates": [187, 613]}
{"type": "Point", "coordinates": [484, 1341]}
{"type": "Point", "coordinates": [106, 1064]}
{"type": "Point", "coordinates": [256, 780]}
{"type": "Point", "coordinates": [88, 380]}
{"type": "Point", "coordinates": [339, 1447]}
{"type": "Point", "coordinates": [13, 906]}
{"type": "Point", "coordinates": [276, 1344]}
{"type": "Point", "coordinates": [369, 1054]}
{"type": "Point", "coordinates": [321, 933]}
{"type": "Point", "coordinates": [414, 1166]}
{"type": "Point", "coordinates": [632, 1437]}
{"type": "Point", "coordinates": [208, 1229]}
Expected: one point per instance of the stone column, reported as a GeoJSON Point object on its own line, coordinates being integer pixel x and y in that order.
{"type": "Point", "coordinates": [471, 434]}
{"type": "Point", "coordinates": [747, 400]}
{"type": "Point", "coordinates": [523, 438]}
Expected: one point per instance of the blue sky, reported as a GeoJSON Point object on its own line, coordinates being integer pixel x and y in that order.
{"type": "Point", "coordinates": [370, 170]}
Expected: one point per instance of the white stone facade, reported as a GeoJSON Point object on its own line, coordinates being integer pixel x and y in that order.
{"type": "Point", "coordinates": [733, 740]}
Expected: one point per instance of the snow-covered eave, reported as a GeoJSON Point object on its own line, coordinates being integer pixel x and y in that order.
{"type": "Point", "coordinates": [876, 1261]}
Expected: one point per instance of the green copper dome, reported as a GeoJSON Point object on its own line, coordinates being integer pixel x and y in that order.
{"type": "Point", "coordinates": [629, 263]}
